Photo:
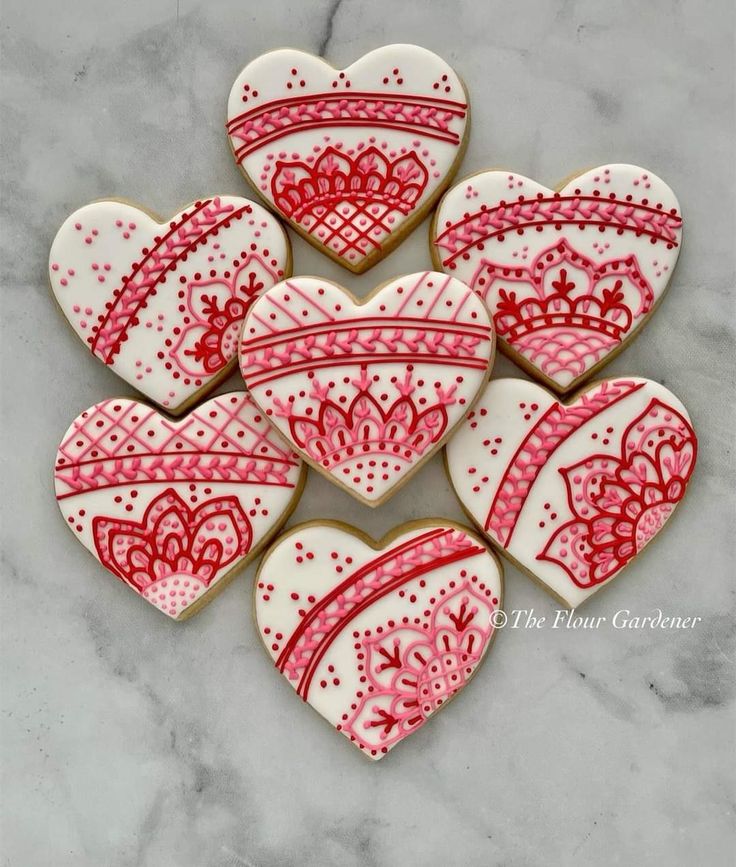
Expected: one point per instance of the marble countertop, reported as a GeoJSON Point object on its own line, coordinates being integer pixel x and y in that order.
{"type": "Point", "coordinates": [129, 741]}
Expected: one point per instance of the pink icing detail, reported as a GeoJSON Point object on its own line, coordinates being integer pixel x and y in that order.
{"type": "Point", "coordinates": [218, 307]}
{"type": "Point", "coordinates": [150, 320]}
{"type": "Point", "coordinates": [349, 160]}
{"type": "Point", "coordinates": [563, 312]}
{"type": "Point", "coordinates": [568, 276]}
{"type": "Point", "coordinates": [494, 221]}
{"type": "Point", "coordinates": [165, 256]}
{"type": "Point", "coordinates": [620, 504]}
{"type": "Point", "coordinates": [366, 393]}
{"type": "Point", "coordinates": [430, 342]}
{"type": "Point", "coordinates": [321, 340]}
{"type": "Point", "coordinates": [340, 436]}
{"type": "Point", "coordinates": [413, 671]}
{"type": "Point", "coordinates": [109, 445]}
{"type": "Point", "coordinates": [347, 204]}
{"type": "Point", "coordinates": [557, 424]}
{"type": "Point", "coordinates": [171, 506]}
{"type": "Point", "coordinates": [429, 116]}
{"type": "Point", "coordinates": [175, 552]}
{"type": "Point", "coordinates": [373, 580]}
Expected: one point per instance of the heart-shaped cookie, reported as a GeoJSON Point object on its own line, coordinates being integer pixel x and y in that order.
{"type": "Point", "coordinates": [354, 159]}
{"type": "Point", "coordinates": [162, 303]}
{"type": "Point", "coordinates": [368, 390]}
{"type": "Point", "coordinates": [377, 636]}
{"type": "Point", "coordinates": [572, 492]}
{"type": "Point", "coordinates": [569, 275]}
{"type": "Point", "coordinates": [173, 508]}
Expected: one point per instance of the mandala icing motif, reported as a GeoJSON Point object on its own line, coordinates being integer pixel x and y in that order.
{"type": "Point", "coordinates": [569, 276]}
{"type": "Point", "coordinates": [377, 640]}
{"type": "Point", "coordinates": [163, 303]}
{"type": "Point", "coordinates": [172, 507]}
{"type": "Point", "coordinates": [573, 492]}
{"type": "Point", "coordinates": [367, 391]}
{"type": "Point", "coordinates": [351, 158]}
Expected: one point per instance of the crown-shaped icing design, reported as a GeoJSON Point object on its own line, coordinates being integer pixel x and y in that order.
{"type": "Point", "coordinates": [563, 287]}
{"type": "Point", "coordinates": [365, 428]}
{"type": "Point", "coordinates": [564, 311]}
{"type": "Point", "coordinates": [368, 178]}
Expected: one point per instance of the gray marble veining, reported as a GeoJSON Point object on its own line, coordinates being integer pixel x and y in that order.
{"type": "Point", "coordinates": [132, 742]}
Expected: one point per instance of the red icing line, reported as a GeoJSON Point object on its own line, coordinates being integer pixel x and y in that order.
{"type": "Point", "coordinates": [389, 554]}
{"type": "Point", "coordinates": [449, 105]}
{"type": "Point", "coordinates": [242, 152]}
{"type": "Point", "coordinates": [200, 454]}
{"type": "Point", "coordinates": [578, 210]}
{"type": "Point", "coordinates": [521, 472]}
{"type": "Point", "coordinates": [307, 344]}
{"type": "Point", "coordinates": [136, 469]}
{"type": "Point", "coordinates": [469, 330]}
{"type": "Point", "coordinates": [617, 507]}
{"type": "Point", "coordinates": [254, 380]}
{"type": "Point", "coordinates": [132, 297]}
{"type": "Point", "coordinates": [304, 684]}
{"type": "Point", "coordinates": [276, 119]}
{"type": "Point", "coordinates": [193, 477]}
{"type": "Point", "coordinates": [107, 436]}
{"type": "Point", "coordinates": [164, 240]}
